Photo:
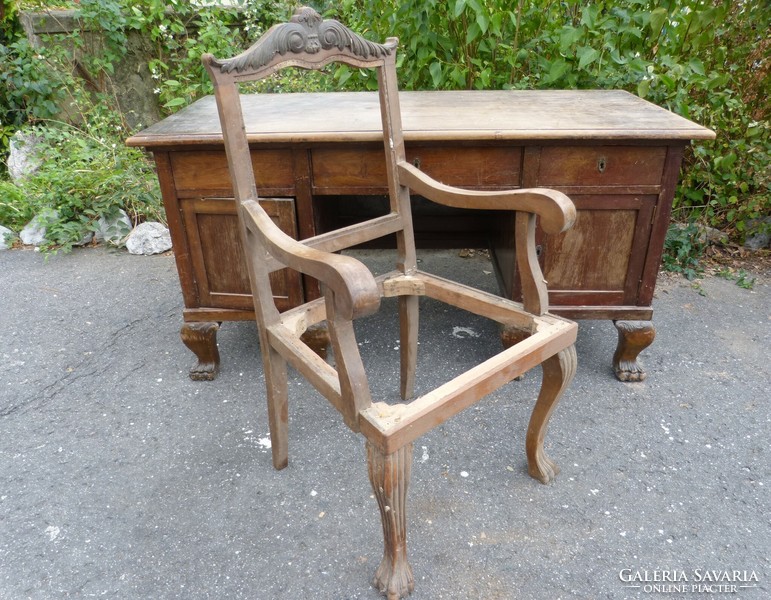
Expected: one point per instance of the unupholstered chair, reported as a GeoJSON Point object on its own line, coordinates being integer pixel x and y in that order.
{"type": "Point", "coordinates": [351, 291]}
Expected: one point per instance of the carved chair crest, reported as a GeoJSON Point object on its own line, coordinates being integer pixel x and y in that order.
{"type": "Point", "coordinates": [305, 33]}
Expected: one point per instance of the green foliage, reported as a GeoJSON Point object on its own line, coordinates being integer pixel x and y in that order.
{"type": "Point", "coordinates": [64, 91]}
{"type": "Point", "coordinates": [708, 61]}
{"type": "Point", "coordinates": [15, 210]}
{"type": "Point", "coordinates": [30, 92]}
{"type": "Point", "coordinates": [85, 173]}
{"type": "Point", "coordinates": [181, 33]}
{"type": "Point", "coordinates": [682, 249]}
{"type": "Point", "coordinates": [743, 279]}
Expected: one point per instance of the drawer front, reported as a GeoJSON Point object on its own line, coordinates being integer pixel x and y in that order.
{"type": "Point", "coordinates": [205, 172]}
{"type": "Point", "coordinates": [601, 165]}
{"type": "Point", "coordinates": [345, 170]}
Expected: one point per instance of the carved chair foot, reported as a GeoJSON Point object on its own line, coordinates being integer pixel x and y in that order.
{"type": "Point", "coordinates": [201, 338]}
{"type": "Point", "coordinates": [390, 475]}
{"type": "Point", "coordinates": [633, 338]}
{"type": "Point", "coordinates": [543, 468]}
{"type": "Point", "coordinates": [558, 372]}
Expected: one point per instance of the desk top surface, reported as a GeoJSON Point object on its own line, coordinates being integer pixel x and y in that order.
{"type": "Point", "coordinates": [431, 116]}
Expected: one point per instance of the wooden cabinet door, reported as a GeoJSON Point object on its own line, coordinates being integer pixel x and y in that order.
{"type": "Point", "coordinates": [219, 264]}
{"type": "Point", "coordinates": [599, 261]}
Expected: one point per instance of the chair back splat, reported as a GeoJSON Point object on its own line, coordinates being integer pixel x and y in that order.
{"type": "Point", "coordinates": [351, 291]}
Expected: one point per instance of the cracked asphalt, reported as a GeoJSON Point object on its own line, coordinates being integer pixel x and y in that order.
{"type": "Point", "coordinates": [122, 478]}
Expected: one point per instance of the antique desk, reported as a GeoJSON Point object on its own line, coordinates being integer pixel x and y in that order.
{"type": "Point", "coordinates": [319, 164]}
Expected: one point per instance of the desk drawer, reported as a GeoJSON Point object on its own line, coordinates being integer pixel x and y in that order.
{"type": "Point", "coordinates": [601, 165]}
{"type": "Point", "coordinates": [343, 170]}
{"type": "Point", "coordinates": [205, 172]}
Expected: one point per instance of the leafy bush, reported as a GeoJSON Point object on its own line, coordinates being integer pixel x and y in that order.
{"type": "Point", "coordinates": [15, 209]}
{"type": "Point", "coordinates": [30, 93]}
{"type": "Point", "coordinates": [707, 60]}
{"type": "Point", "coordinates": [683, 247]}
{"type": "Point", "coordinates": [81, 178]}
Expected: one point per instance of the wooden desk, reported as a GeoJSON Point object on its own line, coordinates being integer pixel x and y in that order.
{"type": "Point", "coordinates": [318, 161]}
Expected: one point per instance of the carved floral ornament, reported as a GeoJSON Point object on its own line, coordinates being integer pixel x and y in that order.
{"type": "Point", "coordinates": [306, 33]}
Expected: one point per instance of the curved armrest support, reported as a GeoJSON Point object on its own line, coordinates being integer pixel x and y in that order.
{"type": "Point", "coordinates": [355, 290]}
{"type": "Point", "coordinates": [556, 210]}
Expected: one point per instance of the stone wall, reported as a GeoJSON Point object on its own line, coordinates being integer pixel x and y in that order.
{"type": "Point", "coordinates": [132, 83]}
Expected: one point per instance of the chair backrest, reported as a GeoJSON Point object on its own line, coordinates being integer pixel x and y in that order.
{"type": "Point", "coordinates": [309, 42]}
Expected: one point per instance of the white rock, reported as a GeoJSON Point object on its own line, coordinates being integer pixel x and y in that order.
{"type": "Point", "coordinates": [113, 229]}
{"type": "Point", "coordinates": [6, 238]}
{"type": "Point", "coordinates": [759, 234]}
{"type": "Point", "coordinates": [149, 238]}
{"type": "Point", "coordinates": [34, 232]}
{"type": "Point", "coordinates": [23, 158]}
{"type": "Point", "coordinates": [86, 239]}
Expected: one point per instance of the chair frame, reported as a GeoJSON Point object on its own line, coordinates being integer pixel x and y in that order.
{"type": "Point", "coordinates": [351, 291]}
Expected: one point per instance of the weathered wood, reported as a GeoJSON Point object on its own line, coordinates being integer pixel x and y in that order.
{"type": "Point", "coordinates": [362, 169]}
{"type": "Point", "coordinates": [535, 296]}
{"type": "Point", "coordinates": [633, 338]}
{"type": "Point", "coordinates": [354, 286]}
{"type": "Point", "coordinates": [354, 386]}
{"type": "Point", "coordinates": [201, 338]}
{"type": "Point", "coordinates": [660, 226]}
{"type": "Point", "coordinates": [278, 405]}
{"type": "Point", "coordinates": [389, 475]}
{"type": "Point", "coordinates": [179, 238]}
{"type": "Point", "coordinates": [320, 374]}
{"type": "Point", "coordinates": [346, 237]}
{"type": "Point", "coordinates": [558, 372]}
{"type": "Point", "coordinates": [392, 426]}
{"type": "Point", "coordinates": [556, 210]}
{"type": "Point", "coordinates": [408, 344]}
{"type": "Point", "coordinates": [617, 157]}
{"type": "Point", "coordinates": [351, 291]}
{"type": "Point", "coordinates": [305, 41]}
{"type": "Point", "coordinates": [521, 115]}
{"type": "Point", "coordinates": [218, 259]}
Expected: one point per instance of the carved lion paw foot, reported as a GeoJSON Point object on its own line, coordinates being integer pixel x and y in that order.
{"type": "Point", "coordinates": [204, 372]}
{"type": "Point", "coordinates": [394, 580]}
{"type": "Point", "coordinates": [633, 338]}
{"type": "Point", "coordinates": [201, 338]}
{"type": "Point", "coordinates": [543, 469]}
{"type": "Point", "coordinates": [629, 370]}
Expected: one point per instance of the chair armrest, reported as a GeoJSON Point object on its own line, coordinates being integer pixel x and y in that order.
{"type": "Point", "coordinates": [557, 211]}
{"type": "Point", "coordinates": [355, 291]}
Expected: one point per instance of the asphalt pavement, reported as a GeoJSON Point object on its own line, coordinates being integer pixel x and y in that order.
{"type": "Point", "coordinates": [122, 478]}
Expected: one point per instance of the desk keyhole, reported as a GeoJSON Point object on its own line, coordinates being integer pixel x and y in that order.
{"type": "Point", "coordinates": [416, 162]}
{"type": "Point", "coordinates": [601, 164]}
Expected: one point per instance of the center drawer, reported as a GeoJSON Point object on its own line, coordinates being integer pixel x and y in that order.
{"type": "Point", "coordinates": [363, 170]}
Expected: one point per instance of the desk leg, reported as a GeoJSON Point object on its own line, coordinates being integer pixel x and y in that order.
{"type": "Point", "coordinates": [633, 338]}
{"type": "Point", "coordinates": [201, 338]}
